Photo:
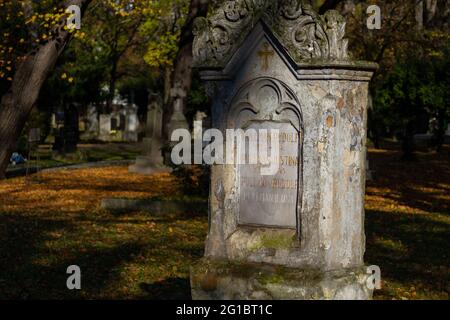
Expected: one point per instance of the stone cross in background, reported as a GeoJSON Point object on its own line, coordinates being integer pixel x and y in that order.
{"type": "Point", "coordinates": [152, 160]}
{"type": "Point", "coordinates": [91, 125]}
{"type": "Point", "coordinates": [178, 120]}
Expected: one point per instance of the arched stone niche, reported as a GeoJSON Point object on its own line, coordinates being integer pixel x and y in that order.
{"type": "Point", "coordinates": [273, 200]}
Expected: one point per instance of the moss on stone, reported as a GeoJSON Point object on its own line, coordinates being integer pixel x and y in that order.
{"type": "Point", "coordinates": [274, 240]}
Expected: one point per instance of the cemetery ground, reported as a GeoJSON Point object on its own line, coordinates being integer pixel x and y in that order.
{"type": "Point", "coordinates": [47, 226]}
{"type": "Point", "coordinates": [86, 152]}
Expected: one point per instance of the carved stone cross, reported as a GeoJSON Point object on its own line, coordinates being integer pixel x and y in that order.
{"type": "Point", "coordinates": [178, 91]}
{"type": "Point", "coordinates": [265, 56]}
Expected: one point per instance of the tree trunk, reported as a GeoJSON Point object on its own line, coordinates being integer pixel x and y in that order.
{"type": "Point", "coordinates": [430, 12]}
{"type": "Point", "coordinates": [167, 84]}
{"type": "Point", "coordinates": [17, 102]}
{"type": "Point", "coordinates": [112, 86]}
{"type": "Point", "coordinates": [408, 142]}
{"type": "Point", "coordinates": [182, 72]}
{"type": "Point", "coordinates": [419, 14]}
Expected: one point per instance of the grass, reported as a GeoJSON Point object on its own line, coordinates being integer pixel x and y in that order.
{"type": "Point", "coordinates": [408, 224]}
{"type": "Point", "coordinates": [46, 227]}
{"type": "Point", "coordinates": [85, 153]}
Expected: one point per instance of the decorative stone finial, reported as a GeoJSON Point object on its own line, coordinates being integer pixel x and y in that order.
{"type": "Point", "coordinates": [306, 35]}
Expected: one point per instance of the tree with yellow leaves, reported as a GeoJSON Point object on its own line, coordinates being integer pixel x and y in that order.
{"type": "Point", "coordinates": [34, 34]}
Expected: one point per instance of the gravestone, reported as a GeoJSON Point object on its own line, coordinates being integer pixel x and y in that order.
{"type": "Point", "coordinates": [58, 131]}
{"type": "Point", "coordinates": [118, 119]}
{"type": "Point", "coordinates": [298, 233]}
{"type": "Point", "coordinates": [177, 120]}
{"type": "Point", "coordinates": [67, 130]}
{"type": "Point", "coordinates": [202, 117]}
{"type": "Point", "coordinates": [92, 124]}
{"type": "Point", "coordinates": [152, 160]}
{"type": "Point", "coordinates": [105, 127]}
{"type": "Point", "coordinates": [131, 123]}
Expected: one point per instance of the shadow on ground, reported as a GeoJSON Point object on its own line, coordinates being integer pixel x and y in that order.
{"type": "Point", "coordinates": [171, 288]}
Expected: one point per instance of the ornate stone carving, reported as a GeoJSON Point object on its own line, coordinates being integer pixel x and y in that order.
{"type": "Point", "coordinates": [264, 99]}
{"type": "Point", "coordinates": [305, 34]}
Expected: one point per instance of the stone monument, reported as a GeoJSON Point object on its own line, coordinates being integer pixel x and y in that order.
{"type": "Point", "coordinates": [177, 120]}
{"type": "Point", "coordinates": [92, 125]}
{"type": "Point", "coordinates": [152, 160]}
{"type": "Point", "coordinates": [298, 234]}
{"type": "Point", "coordinates": [104, 127]}
{"type": "Point", "coordinates": [131, 123]}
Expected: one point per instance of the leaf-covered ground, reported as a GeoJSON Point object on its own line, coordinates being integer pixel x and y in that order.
{"type": "Point", "coordinates": [408, 224]}
{"type": "Point", "coordinates": [47, 226]}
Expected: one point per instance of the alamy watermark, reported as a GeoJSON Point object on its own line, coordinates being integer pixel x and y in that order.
{"type": "Point", "coordinates": [251, 146]}
{"type": "Point", "coordinates": [374, 280]}
{"type": "Point", "coordinates": [74, 280]}
{"type": "Point", "coordinates": [374, 20]}
{"type": "Point", "coordinates": [74, 20]}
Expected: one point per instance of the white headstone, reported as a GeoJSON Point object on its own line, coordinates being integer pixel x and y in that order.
{"type": "Point", "coordinates": [131, 123]}
{"type": "Point", "coordinates": [105, 127]}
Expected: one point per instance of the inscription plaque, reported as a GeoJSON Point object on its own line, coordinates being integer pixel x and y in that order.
{"type": "Point", "coordinates": [271, 200]}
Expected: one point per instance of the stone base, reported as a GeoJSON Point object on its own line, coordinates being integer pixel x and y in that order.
{"type": "Point", "coordinates": [130, 136]}
{"type": "Point", "coordinates": [220, 280]}
{"type": "Point", "coordinates": [146, 165]}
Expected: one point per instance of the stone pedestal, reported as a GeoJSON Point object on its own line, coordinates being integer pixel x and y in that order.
{"type": "Point", "coordinates": [215, 280]}
{"type": "Point", "coordinates": [151, 161]}
{"type": "Point", "coordinates": [146, 165]}
{"type": "Point", "coordinates": [178, 121]}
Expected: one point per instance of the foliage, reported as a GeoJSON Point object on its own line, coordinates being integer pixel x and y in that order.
{"type": "Point", "coordinates": [197, 99]}
{"type": "Point", "coordinates": [24, 25]}
{"type": "Point", "coordinates": [163, 24]}
{"type": "Point", "coordinates": [412, 89]}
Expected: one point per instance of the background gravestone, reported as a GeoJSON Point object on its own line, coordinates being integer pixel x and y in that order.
{"type": "Point", "coordinates": [131, 123]}
{"type": "Point", "coordinates": [298, 234]}
{"type": "Point", "coordinates": [152, 160]}
{"type": "Point", "coordinates": [104, 127]}
{"type": "Point", "coordinates": [177, 120]}
{"type": "Point", "coordinates": [58, 130]}
{"type": "Point", "coordinates": [67, 131]}
{"type": "Point", "coordinates": [91, 123]}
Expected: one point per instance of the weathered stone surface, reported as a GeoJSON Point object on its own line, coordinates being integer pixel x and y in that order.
{"type": "Point", "coordinates": [261, 70]}
{"type": "Point", "coordinates": [305, 34]}
{"type": "Point", "coordinates": [231, 281]}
